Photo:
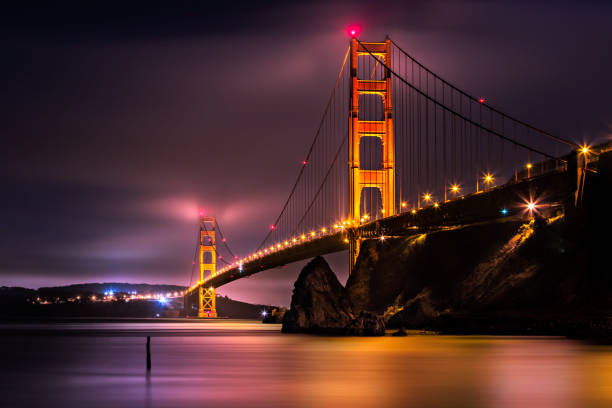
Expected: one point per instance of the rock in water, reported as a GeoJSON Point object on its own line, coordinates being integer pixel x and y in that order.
{"type": "Point", "coordinates": [366, 324]}
{"type": "Point", "coordinates": [319, 303]}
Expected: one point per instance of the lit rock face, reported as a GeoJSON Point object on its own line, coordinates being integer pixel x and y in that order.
{"type": "Point", "coordinates": [320, 305]}
{"type": "Point", "coordinates": [506, 277]}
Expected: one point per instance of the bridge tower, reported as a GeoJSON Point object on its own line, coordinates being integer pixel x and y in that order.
{"type": "Point", "coordinates": [383, 178]}
{"type": "Point", "coordinates": [207, 256]}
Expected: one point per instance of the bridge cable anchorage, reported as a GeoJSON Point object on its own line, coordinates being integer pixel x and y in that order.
{"type": "Point", "coordinates": [459, 115]}
{"type": "Point", "coordinates": [310, 150]}
{"type": "Point", "coordinates": [482, 102]}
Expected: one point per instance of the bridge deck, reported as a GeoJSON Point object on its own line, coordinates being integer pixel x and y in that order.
{"type": "Point", "coordinates": [550, 191]}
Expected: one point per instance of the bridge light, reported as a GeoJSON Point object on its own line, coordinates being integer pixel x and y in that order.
{"type": "Point", "coordinates": [278, 246]}
{"type": "Point", "coordinates": [366, 216]}
{"type": "Point", "coordinates": [504, 211]}
{"type": "Point", "coordinates": [454, 188]}
{"type": "Point", "coordinates": [235, 256]}
{"type": "Point", "coordinates": [488, 178]}
{"type": "Point", "coordinates": [427, 197]}
{"type": "Point", "coordinates": [382, 211]}
{"type": "Point", "coordinates": [353, 30]}
{"type": "Point", "coordinates": [272, 226]}
{"type": "Point", "coordinates": [335, 225]}
{"type": "Point", "coordinates": [323, 230]}
{"type": "Point", "coordinates": [529, 165]}
{"type": "Point", "coordinates": [303, 237]}
{"type": "Point", "coordinates": [436, 205]}
{"type": "Point", "coordinates": [346, 240]}
{"type": "Point", "coordinates": [404, 204]}
{"type": "Point", "coordinates": [531, 206]}
{"type": "Point", "coordinates": [413, 211]}
{"type": "Point", "coordinates": [294, 240]}
{"type": "Point", "coordinates": [304, 162]}
{"type": "Point", "coordinates": [382, 238]}
{"type": "Point", "coordinates": [585, 149]}
{"type": "Point", "coordinates": [286, 243]}
{"type": "Point", "coordinates": [312, 233]}
{"type": "Point", "coordinates": [482, 100]}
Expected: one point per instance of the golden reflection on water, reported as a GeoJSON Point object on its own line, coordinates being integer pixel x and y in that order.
{"type": "Point", "coordinates": [246, 364]}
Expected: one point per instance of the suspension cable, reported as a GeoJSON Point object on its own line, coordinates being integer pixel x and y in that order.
{"type": "Point", "coordinates": [305, 163]}
{"type": "Point", "coordinates": [558, 139]}
{"type": "Point", "coordinates": [457, 114]}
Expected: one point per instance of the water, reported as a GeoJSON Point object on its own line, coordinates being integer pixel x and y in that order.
{"type": "Point", "coordinates": [247, 364]}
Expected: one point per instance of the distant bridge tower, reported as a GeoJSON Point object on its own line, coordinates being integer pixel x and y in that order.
{"type": "Point", "coordinates": [383, 178]}
{"type": "Point", "coordinates": [207, 255]}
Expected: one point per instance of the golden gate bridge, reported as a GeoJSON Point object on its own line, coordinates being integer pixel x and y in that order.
{"type": "Point", "coordinates": [398, 151]}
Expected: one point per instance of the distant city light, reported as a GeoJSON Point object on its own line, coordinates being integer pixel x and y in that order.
{"type": "Point", "coordinates": [504, 211]}
{"type": "Point", "coordinates": [162, 300]}
{"type": "Point", "coordinates": [264, 313]}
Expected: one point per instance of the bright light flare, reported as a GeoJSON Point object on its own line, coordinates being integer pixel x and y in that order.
{"type": "Point", "coordinates": [488, 178]}
{"type": "Point", "coordinates": [427, 197]}
{"type": "Point", "coordinates": [585, 149]}
{"type": "Point", "coordinates": [481, 100]}
{"type": "Point", "coordinates": [455, 188]}
{"type": "Point", "coordinates": [353, 30]}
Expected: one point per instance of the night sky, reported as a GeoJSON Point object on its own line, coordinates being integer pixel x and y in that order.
{"type": "Point", "coordinates": [120, 122]}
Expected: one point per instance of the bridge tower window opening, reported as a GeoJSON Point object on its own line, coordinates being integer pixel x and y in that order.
{"type": "Point", "coordinates": [370, 69]}
{"type": "Point", "coordinates": [371, 203]}
{"type": "Point", "coordinates": [371, 107]}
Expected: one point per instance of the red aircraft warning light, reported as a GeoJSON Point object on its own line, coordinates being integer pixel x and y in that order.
{"type": "Point", "coordinates": [353, 30]}
{"type": "Point", "coordinates": [272, 226]}
{"type": "Point", "coordinates": [482, 100]}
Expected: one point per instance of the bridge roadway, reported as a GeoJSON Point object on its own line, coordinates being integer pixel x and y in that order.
{"type": "Point", "coordinates": [551, 192]}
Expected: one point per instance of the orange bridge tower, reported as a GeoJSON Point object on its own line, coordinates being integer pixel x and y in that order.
{"type": "Point", "coordinates": [383, 178]}
{"type": "Point", "coordinates": [207, 256]}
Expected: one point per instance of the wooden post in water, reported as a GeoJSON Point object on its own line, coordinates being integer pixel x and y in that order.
{"type": "Point", "coordinates": [148, 353]}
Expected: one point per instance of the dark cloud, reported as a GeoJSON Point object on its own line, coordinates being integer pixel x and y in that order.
{"type": "Point", "coordinates": [120, 120]}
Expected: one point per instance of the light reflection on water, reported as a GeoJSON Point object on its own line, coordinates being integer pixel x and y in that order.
{"type": "Point", "coordinates": [247, 364]}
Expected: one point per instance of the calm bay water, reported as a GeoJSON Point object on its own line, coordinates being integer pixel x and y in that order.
{"type": "Point", "coordinates": [247, 364]}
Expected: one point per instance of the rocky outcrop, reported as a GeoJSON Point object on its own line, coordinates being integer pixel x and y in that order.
{"type": "Point", "coordinates": [508, 277]}
{"type": "Point", "coordinates": [321, 305]}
